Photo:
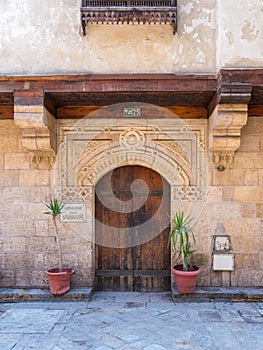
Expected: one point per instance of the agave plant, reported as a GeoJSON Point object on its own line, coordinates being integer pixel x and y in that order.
{"type": "Point", "coordinates": [182, 239]}
{"type": "Point", "coordinates": [55, 208]}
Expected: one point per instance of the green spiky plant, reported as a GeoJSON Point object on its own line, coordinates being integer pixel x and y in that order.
{"type": "Point", "coordinates": [55, 207]}
{"type": "Point", "coordinates": [182, 239]}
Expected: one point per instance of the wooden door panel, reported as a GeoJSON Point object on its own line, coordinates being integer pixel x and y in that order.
{"type": "Point", "coordinates": [144, 266]}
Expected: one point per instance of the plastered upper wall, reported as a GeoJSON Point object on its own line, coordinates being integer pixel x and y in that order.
{"type": "Point", "coordinates": [41, 37]}
{"type": "Point", "coordinates": [240, 33]}
{"type": "Point", "coordinates": [45, 37]}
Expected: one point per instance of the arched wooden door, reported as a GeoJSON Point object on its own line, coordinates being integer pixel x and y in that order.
{"type": "Point", "coordinates": [132, 227]}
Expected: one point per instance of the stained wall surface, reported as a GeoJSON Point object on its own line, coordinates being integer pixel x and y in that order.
{"type": "Point", "coordinates": [46, 37]}
{"type": "Point", "coordinates": [240, 33]}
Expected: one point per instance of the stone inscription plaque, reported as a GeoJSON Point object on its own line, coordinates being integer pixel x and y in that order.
{"type": "Point", "coordinates": [131, 112]}
{"type": "Point", "coordinates": [73, 213]}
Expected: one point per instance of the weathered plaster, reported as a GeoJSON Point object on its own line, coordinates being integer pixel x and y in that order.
{"type": "Point", "coordinates": [249, 32]}
{"type": "Point", "coordinates": [241, 33]}
{"type": "Point", "coordinates": [45, 37]}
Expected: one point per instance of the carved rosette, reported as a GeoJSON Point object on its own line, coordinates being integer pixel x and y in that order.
{"type": "Point", "coordinates": [132, 139]}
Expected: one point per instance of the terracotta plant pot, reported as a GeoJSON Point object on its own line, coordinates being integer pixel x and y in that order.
{"type": "Point", "coordinates": [59, 281]}
{"type": "Point", "coordinates": [185, 280]}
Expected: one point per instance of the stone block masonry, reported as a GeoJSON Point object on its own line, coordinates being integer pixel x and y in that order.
{"type": "Point", "coordinates": [26, 235]}
{"type": "Point", "coordinates": [234, 202]}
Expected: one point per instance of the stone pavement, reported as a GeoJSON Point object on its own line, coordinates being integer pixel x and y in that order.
{"type": "Point", "coordinates": [144, 321]}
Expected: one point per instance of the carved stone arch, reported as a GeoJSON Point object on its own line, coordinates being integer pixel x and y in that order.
{"type": "Point", "coordinates": [94, 164]}
{"type": "Point", "coordinates": [94, 147]}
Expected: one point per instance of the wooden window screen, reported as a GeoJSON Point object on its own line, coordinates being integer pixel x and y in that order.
{"type": "Point", "coordinates": [129, 11]}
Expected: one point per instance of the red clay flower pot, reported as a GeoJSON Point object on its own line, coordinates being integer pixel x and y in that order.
{"type": "Point", "coordinates": [185, 280]}
{"type": "Point", "coordinates": [59, 281]}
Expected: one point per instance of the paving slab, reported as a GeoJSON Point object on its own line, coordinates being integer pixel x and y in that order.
{"type": "Point", "coordinates": [31, 321]}
{"type": "Point", "coordinates": [131, 321]}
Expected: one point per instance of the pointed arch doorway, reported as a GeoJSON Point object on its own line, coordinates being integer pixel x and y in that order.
{"type": "Point", "coordinates": [132, 210]}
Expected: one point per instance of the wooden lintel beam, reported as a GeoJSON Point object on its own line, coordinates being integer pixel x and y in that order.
{"type": "Point", "coordinates": [235, 93]}
{"type": "Point", "coordinates": [252, 76]}
{"type": "Point", "coordinates": [110, 82]}
{"type": "Point", "coordinates": [255, 110]}
{"type": "Point", "coordinates": [203, 90]}
{"type": "Point", "coordinates": [29, 97]}
{"type": "Point", "coordinates": [50, 105]}
{"type": "Point", "coordinates": [78, 112]}
{"type": "Point", "coordinates": [6, 112]}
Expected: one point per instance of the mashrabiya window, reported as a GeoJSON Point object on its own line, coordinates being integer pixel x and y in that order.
{"type": "Point", "coordinates": [129, 11]}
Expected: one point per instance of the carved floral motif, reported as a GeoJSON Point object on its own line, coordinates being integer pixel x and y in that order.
{"type": "Point", "coordinates": [42, 160]}
{"type": "Point", "coordinates": [132, 139]}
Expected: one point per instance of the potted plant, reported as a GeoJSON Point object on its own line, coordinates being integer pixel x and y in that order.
{"type": "Point", "coordinates": [59, 277]}
{"type": "Point", "coordinates": [183, 242]}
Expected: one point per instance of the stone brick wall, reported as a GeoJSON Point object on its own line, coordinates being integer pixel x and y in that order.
{"type": "Point", "coordinates": [237, 210]}
{"type": "Point", "coordinates": [234, 206]}
{"type": "Point", "coordinates": [27, 240]}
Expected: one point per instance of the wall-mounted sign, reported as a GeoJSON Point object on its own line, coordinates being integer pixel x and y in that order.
{"type": "Point", "coordinates": [73, 213]}
{"type": "Point", "coordinates": [221, 243]}
{"type": "Point", "coordinates": [223, 261]}
{"type": "Point", "coordinates": [132, 112]}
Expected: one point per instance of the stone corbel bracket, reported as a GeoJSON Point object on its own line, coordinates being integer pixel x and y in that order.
{"type": "Point", "coordinates": [38, 127]}
{"type": "Point", "coordinates": [225, 126]}
{"type": "Point", "coordinates": [227, 120]}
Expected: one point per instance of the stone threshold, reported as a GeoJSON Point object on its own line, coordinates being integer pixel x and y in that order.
{"type": "Point", "coordinates": [9, 295]}
{"type": "Point", "coordinates": [231, 294]}
{"type": "Point", "coordinates": [201, 294]}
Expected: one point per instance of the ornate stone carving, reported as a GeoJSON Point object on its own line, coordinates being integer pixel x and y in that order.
{"type": "Point", "coordinates": [93, 168]}
{"type": "Point", "coordinates": [172, 149]}
{"type": "Point", "coordinates": [38, 129]}
{"type": "Point", "coordinates": [223, 159]}
{"type": "Point", "coordinates": [117, 145]}
{"type": "Point", "coordinates": [42, 160]}
{"type": "Point", "coordinates": [78, 149]}
{"type": "Point", "coordinates": [75, 194]}
{"type": "Point", "coordinates": [189, 193]}
{"type": "Point", "coordinates": [36, 139]}
{"type": "Point", "coordinates": [93, 144]}
{"type": "Point", "coordinates": [132, 138]}
{"type": "Point", "coordinates": [225, 126]}
{"type": "Point", "coordinates": [173, 146]}
{"type": "Point", "coordinates": [85, 176]}
{"type": "Point", "coordinates": [85, 193]}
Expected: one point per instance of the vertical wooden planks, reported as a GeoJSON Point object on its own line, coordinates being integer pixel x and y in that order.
{"type": "Point", "coordinates": [141, 214]}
